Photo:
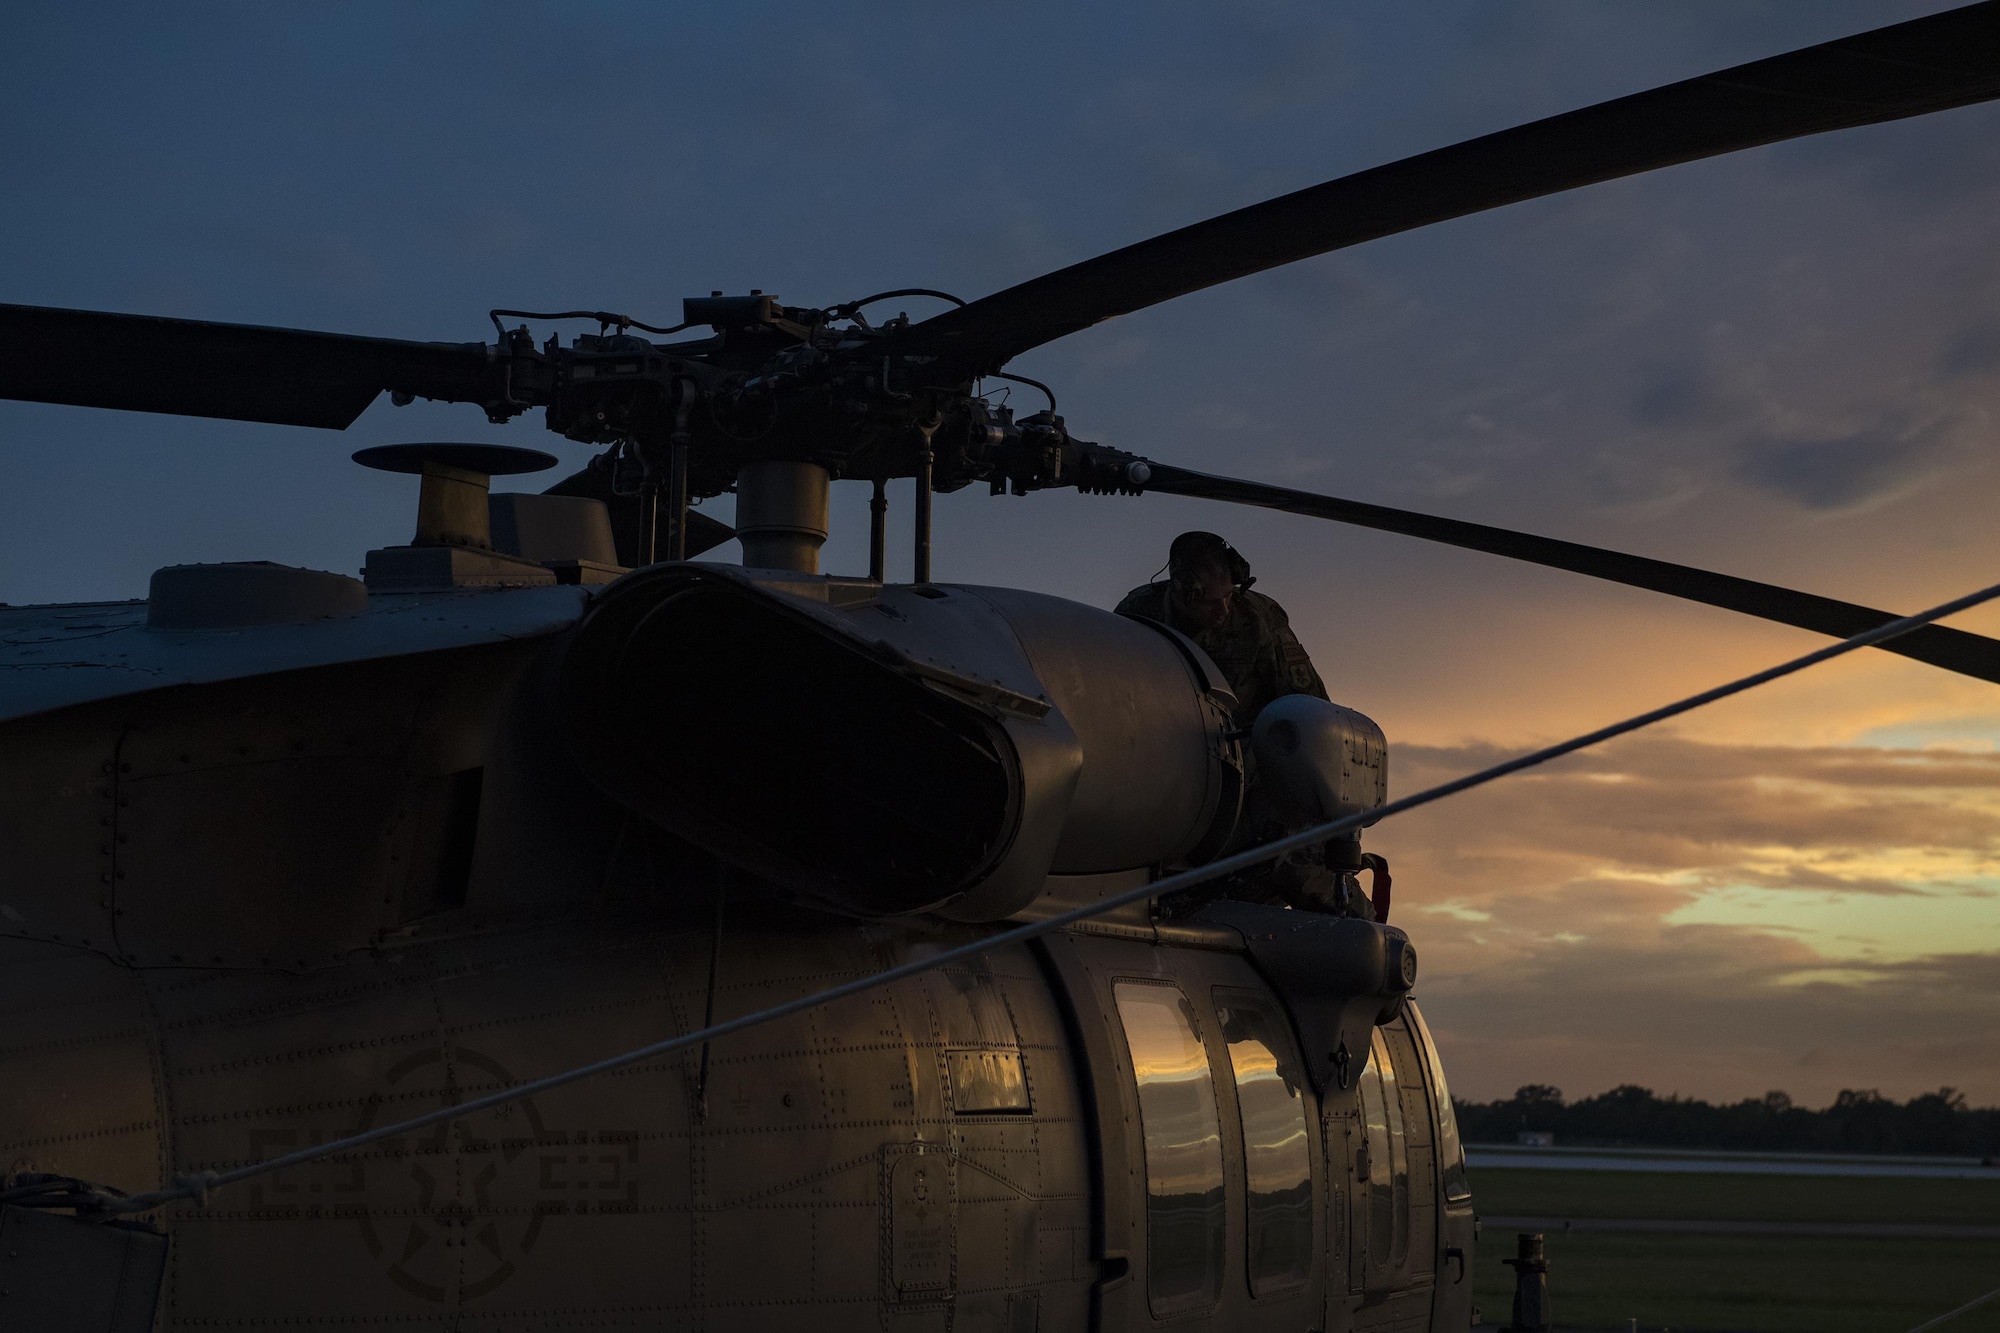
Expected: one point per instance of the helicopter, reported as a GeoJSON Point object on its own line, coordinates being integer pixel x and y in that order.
{"type": "Point", "coordinates": [541, 787]}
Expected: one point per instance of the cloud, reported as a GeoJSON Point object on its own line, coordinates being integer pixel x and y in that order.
{"type": "Point", "coordinates": [331, 260]}
{"type": "Point", "coordinates": [1671, 757]}
{"type": "Point", "coordinates": [1689, 364]}
{"type": "Point", "coordinates": [1677, 396]}
{"type": "Point", "coordinates": [1975, 351]}
{"type": "Point", "coordinates": [1704, 1011]}
{"type": "Point", "coordinates": [1699, 917]}
{"type": "Point", "coordinates": [1305, 76]}
{"type": "Point", "coordinates": [1840, 472]}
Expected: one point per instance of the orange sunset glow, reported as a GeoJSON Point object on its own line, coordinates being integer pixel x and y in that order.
{"type": "Point", "coordinates": [1783, 364]}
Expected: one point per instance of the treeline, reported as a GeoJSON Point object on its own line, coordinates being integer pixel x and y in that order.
{"type": "Point", "coordinates": [1629, 1116]}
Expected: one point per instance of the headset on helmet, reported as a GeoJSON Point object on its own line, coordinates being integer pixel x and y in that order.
{"type": "Point", "coordinates": [1192, 552]}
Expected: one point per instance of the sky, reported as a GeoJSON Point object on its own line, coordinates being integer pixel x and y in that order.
{"type": "Point", "coordinates": [1784, 364]}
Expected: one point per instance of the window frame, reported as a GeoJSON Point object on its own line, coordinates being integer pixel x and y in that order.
{"type": "Point", "coordinates": [1452, 1181]}
{"type": "Point", "coordinates": [1177, 1305]}
{"type": "Point", "coordinates": [1276, 1030]}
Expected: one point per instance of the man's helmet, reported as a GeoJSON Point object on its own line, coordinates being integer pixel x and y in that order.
{"type": "Point", "coordinates": [1194, 552]}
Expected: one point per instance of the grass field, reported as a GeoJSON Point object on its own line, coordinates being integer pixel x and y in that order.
{"type": "Point", "coordinates": [1744, 1284]}
{"type": "Point", "coordinates": [1509, 1191]}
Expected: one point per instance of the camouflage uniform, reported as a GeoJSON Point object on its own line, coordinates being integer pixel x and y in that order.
{"type": "Point", "coordinates": [1261, 659]}
{"type": "Point", "coordinates": [1255, 648]}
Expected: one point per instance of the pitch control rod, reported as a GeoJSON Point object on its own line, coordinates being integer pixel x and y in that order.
{"type": "Point", "coordinates": [878, 530]}
{"type": "Point", "coordinates": [197, 1185]}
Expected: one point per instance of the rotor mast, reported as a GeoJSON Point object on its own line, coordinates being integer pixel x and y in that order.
{"type": "Point", "coordinates": [782, 514]}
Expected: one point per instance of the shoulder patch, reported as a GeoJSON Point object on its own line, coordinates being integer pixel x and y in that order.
{"type": "Point", "coordinates": [1298, 666]}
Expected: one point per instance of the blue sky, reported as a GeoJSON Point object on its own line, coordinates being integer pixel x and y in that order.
{"type": "Point", "coordinates": [1785, 364]}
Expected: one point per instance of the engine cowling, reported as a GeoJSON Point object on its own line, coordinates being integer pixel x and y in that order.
{"type": "Point", "coordinates": [885, 750]}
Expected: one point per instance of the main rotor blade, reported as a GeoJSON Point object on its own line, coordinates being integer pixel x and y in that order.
{"type": "Point", "coordinates": [241, 372]}
{"type": "Point", "coordinates": [1928, 64]}
{"type": "Point", "coordinates": [1954, 650]}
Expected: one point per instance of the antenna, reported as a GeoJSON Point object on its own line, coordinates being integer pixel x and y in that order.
{"type": "Point", "coordinates": [453, 545]}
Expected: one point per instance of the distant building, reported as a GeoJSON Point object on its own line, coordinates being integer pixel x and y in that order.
{"type": "Point", "coordinates": [1536, 1138]}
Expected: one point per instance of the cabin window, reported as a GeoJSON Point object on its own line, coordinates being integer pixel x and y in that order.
{"type": "Point", "coordinates": [1271, 1106]}
{"type": "Point", "coordinates": [1185, 1213]}
{"type": "Point", "coordinates": [1450, 1150]}
{"type": "Point", "coordinates": [1388, 1164]}
{"type": "Point", "coordinates": [1399, 1149]}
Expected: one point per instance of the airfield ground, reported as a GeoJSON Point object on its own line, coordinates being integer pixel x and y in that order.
{"type": "Point", "coordinates": [1745, 1283]}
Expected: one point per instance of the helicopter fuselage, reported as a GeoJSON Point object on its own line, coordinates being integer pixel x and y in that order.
{"type": "Point", "coordinates": [277, 883]}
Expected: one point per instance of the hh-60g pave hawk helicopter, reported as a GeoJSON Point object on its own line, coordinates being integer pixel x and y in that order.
{"type": "Point", "coordinates": [304, 875]}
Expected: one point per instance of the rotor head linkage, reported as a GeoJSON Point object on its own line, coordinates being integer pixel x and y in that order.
{"type": "Point", "coordinates": [921, 519]}
{"type": "Point", "coordinates": [878, 532]}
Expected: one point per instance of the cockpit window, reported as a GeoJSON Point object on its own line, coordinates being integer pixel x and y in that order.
{"type": "Point", "coordinates": [1271, 1104]}
{"type": "Point", "coordinates": [1185, 1212]}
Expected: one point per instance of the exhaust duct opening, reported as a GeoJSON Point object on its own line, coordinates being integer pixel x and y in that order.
{"type": "Point", "coordinates": [781, 744]}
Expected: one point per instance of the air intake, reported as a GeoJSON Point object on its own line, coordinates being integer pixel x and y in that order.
{"type": "Point", "coordinates": [884, 750]}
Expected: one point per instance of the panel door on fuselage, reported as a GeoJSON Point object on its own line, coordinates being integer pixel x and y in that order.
{"type": "Point", "coordinates": [1452, 1305]}
{"type": "Point", "coordinates": [1212, 1184]}
{"type": "Point", "coordinates": [1409, 1212]}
